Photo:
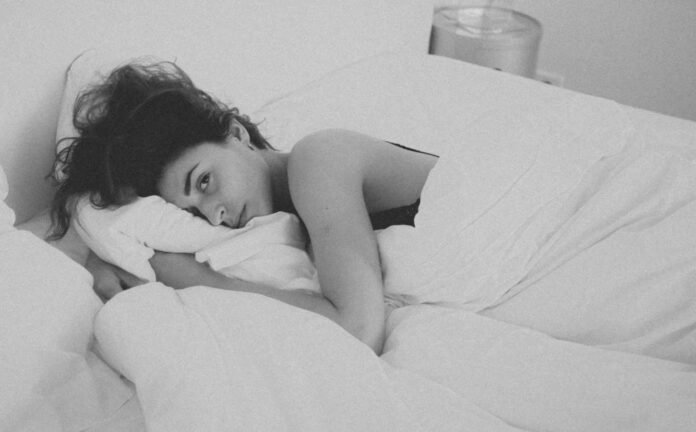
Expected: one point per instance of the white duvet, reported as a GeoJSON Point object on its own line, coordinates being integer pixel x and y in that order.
{"type": "Point", "coordinates": [551, 268]}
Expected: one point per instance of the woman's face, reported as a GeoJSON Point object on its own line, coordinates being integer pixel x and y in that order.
{"type": "Point", "coordinates": [226, 183]}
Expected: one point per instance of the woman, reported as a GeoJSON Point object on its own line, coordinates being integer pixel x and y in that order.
{"type": "Point", "coordinates": [148, 130]}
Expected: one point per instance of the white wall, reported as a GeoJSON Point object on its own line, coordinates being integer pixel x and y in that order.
{"type": "Point", "coordinates": [637, 52]}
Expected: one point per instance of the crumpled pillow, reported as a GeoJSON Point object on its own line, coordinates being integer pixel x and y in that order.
{"type": "Point", "coordinates": [269, 250]}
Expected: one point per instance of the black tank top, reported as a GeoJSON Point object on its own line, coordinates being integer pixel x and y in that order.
{"type": "Point", "coordinates": [397, 216]}
{"type": "Point", "coordinates": [400, 215]}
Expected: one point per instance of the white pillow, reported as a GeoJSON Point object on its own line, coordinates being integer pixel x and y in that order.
{"type": "Point", "coordinates": [209, 359]}
{"type": "Point", "coordinates": [374, 96]}
{"type": "Point", "coordinates": [47, 375]}
{"type": "Point", "coordinates": [269, 250]}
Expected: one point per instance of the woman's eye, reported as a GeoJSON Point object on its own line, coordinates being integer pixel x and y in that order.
{"type": "Point", "coordinates": [204, 182]}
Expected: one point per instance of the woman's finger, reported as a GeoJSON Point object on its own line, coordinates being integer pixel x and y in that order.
{"type": "Point", "coordinates": [106, 285]}
{"type": "Point", "coordinates": [128, 280]}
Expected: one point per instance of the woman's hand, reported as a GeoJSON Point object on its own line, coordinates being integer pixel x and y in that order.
{"type": "Point", "coordinates": [109, 280]}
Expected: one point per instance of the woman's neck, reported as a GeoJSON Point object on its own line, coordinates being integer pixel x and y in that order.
{"type": "Point", "coordinates": [278, 164]}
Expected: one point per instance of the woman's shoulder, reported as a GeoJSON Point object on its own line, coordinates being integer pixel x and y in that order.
{"type": "Point", "coordinates": [359, 170]}
{"type": "Point", "coordinates": [338, 152]}
{"type": "Point", "coordinates": [329, 150]}
{"type": "Point", "coordinates": [335, 150]}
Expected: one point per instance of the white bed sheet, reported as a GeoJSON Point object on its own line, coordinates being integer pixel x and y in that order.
{"type": "Point", "coordinates": [576, 201]}
{"type": "Point", "coordinates": [638, 296]}
{"type": "Point", "coordinates": [538, 383]}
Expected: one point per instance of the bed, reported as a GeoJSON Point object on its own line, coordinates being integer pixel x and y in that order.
{"type": "Point", "coordinates": [549, 277]}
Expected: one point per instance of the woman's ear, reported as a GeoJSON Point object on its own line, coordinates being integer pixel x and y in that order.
{"type": "Point", "coordinates": [236, 129]}
{"type": "Point", "coordinates": [240, 132]}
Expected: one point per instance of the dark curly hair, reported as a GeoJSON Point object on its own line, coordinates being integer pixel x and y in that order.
{"type": "Point", "coordinates": [130, 127]}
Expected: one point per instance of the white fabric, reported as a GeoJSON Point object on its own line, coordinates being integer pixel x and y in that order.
{"type": "Point", "coordinates": [423, 102]}
{"type": "Point", "coordinates": [218, 360]}
{"type": "Point", "coordinates": [126, 235]}
{"type": "Point", "coordinates": [539, 383]}
{"type": "Point", "coordinates": [49, 380]}
{"type": "Point", "coordinates": [242, 361]}
{"type": "Point", "coordinates": [270, 250]}
{"type": "Point", "coordinates": [492, 202]}
{"type": "Point", "coordinates": [632, 226]}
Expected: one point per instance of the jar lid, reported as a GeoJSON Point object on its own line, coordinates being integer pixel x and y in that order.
{"type": "Point", "coordinates": [487, 22]}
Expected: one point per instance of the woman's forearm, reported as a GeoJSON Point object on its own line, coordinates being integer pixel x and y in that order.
{"type": "Point", "coordinates": [183, 271]}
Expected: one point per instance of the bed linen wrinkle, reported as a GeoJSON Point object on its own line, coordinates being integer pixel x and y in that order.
{"type": "Point", "coordinates": [641, 197]}
{"type": "Point", "coordinates": [439, 409]}
{"type": "Point", "coordinates": [569, 212]}
{"type": "Point", "coordinates": [640, 189]}
{"type": "Point", "coordinates": [654, 345]}
{"type": "Point", "coordinates": [538, 383]}
{"type": "Point", "coordinates": [218, 337]}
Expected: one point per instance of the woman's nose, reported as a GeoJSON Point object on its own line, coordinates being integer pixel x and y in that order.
{"type": "Point", "coordinates": [215, 214]}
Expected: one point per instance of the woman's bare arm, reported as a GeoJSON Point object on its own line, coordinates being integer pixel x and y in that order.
{"type": "Point", "coordinates": [109, 280]}
{"type": "Point", "coordinates": [183, 271]}
{"type": "Point", "coordinates": [336, 179]}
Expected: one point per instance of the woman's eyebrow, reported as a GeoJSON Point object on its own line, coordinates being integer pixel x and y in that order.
{"type": "Point", "coordinates": [187, 183]}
